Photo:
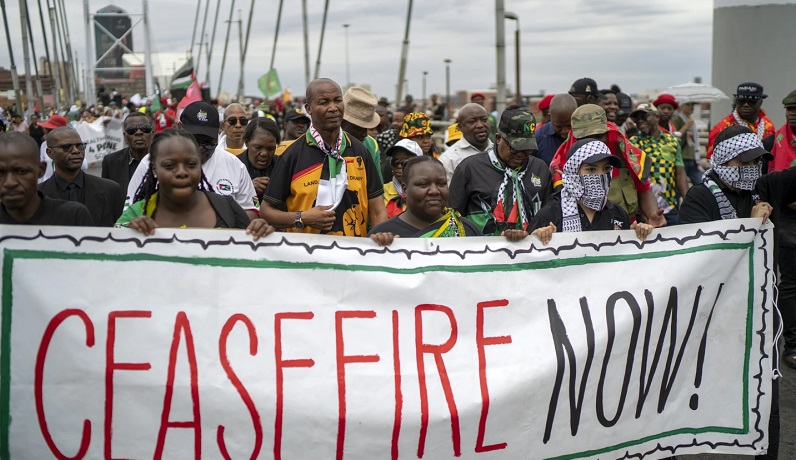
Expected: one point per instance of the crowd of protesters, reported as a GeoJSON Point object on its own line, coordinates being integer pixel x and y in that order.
{"type": "Point", "coordinates": [348, 164]}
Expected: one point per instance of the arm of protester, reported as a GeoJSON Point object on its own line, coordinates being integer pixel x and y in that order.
{"type": "Point", "coordinates": [383, 238]}
{"type": "Point", "coordinates": [377, 213]}
{"type": "Point", "coordinates": [259, 227]}
{"type": "Point", "coordinates": [642, 230]}
{"type": "Point", "coordinates": [762, 210]}
{"type": "Point", "coordinates": [319, 217]}
{"type": "Point", "coordinates": [514, 235]}
{"type": "Point", "coordinates": [681, 180]}
{"type": "Point", "coordinates": [649, 207]}
{"type": "Point", "coordinates": [143, 224]}
{"type": "Point", "coordinates": [545, 234]}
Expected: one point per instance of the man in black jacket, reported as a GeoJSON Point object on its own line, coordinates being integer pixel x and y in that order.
{"type": "Point", "coordinates": [119, 166]}
{"type": "Point", "coordinates": [102, 197]}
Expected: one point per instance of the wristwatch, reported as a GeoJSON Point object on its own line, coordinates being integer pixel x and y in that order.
{"type": "Point", "coordinates": [298, 224]}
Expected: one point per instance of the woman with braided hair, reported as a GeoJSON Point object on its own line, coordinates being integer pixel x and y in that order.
{"type": "Point", "coordinates": [175, 192]}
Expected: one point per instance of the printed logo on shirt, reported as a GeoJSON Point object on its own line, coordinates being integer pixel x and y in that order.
{"type": "Point", "coordinates": [256, 202]}
{"type": "Point", "coordinates": [617, 224]}
{"type": "Point", "coordinates": [536, 181]}
{"type": "Point", "coordinates": [224, 187]}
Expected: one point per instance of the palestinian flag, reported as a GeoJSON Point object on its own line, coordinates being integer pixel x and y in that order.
{"type": "Point", "coordinates": [183, 77]}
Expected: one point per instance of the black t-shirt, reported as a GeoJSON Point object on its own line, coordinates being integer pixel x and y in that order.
{"type": "Point", "coordinates": [398, 227]}
{"type": "Point", "coordinates": [53, 212]}
{"type": "Point", "coordinates": [611, 217]}
{"type": "Point", "coordinates": [474, 188]}
{"type": "Point", "coordinates": [37, 133]}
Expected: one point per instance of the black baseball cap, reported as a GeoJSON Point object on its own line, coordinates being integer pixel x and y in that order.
{"type": "Point", "coordinates": [201, 118]}
{"type": "Point", "coordinates": [625, 103]}
{"type": "Point", "coordinates": [295, 114]}
{"type": "Point", "coordinates": [586, 86]}
{"type": "Point", "coordinates": [746, 155]}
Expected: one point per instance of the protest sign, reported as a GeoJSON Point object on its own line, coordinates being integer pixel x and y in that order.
{"type": "Point", "coordinates": [205, 344]}
{"type": "Point", "coordinates": [102, 137]}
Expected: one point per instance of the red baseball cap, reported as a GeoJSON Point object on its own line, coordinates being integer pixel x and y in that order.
{"type": "Point", "coordinates": [475, 95]}
{"type": "Point", "coordinates": [666, 99]}
{"type": "Point", "coordinates": [55, 121]}
{"type": "Point", "coordinates": [545, 102]}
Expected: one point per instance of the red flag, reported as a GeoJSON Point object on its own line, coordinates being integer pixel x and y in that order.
{"type": "Point", "coordinates": [193, 94]}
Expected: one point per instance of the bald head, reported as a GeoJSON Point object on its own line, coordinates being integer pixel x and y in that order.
{"type": "Point", "coordinates": [561, 108]}
{"type": "Point", "coordinates": [474, 125]}
{"type": "Point", "coordinates": [19, 143]}
{"type": "Point", "coordinates": [317, 84]}
{"type": "Point", "coordinates": [53, 136]}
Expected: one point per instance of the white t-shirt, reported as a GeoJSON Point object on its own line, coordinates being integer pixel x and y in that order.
{"type": "Point", "coordinates": [457, 153]}
{"type": "Point", "coordinates": [226, 174]}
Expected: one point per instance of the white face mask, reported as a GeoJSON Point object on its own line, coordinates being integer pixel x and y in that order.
{"type": "Point", "coordinates": [740, 177]}
{"type": "Point", "coordinates": [595, 190]}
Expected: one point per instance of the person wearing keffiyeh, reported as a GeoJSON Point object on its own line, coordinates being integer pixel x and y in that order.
{"type": "Point", "coordinates": [735, 187]}
{"type": "Point", "coordinates": [503, 188]}
{"type": "Point", "coordinates": [748, 112]}
{"type": "Point", "coordinates": [582, 204]}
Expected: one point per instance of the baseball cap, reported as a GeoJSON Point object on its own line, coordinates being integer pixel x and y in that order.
{"type": "Point", "coordinates": [644, 109]}
{"type": "Point", "coordinates": [665, 98]}
{"type": "Point", "coordinates": [200, 118]}
{"type": "Point", "coordinates": [55, 121]}
{"type": "Point", "coordinates": [750, 90]}
{"type": "Point", "coordinates": [452, 134]}
{"type": "Point", "coordinates": [545, 102]}
{"type": "Point", "coordinates": [586, 86]}
{"type": "Point", "coordinates": [475, 95]}
{"type": "Point", "coordinates": [625, 103]}
{"type": "Point", "coordinates": [589, 120]}
{"type": "Point", "coordinates": [518, 126]}
{"type": "Point", "coordinates": [597, 152]}
{"type": "Point", "coordinates": [740, 142]}
{"type": "Point", "coordinates": [295, 114]}
{"type": "Point", "coordinates": [407, 145]}
{"type": "Point", "coordinates": [790, 100]}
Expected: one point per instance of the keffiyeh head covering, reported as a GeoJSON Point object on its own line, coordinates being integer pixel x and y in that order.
{"type": "Point", "coordinates": [591, 190]}
{"type": "Point", "coordinates": [415, 124]}
{"type": "Point", "coordinates": [738, 142]}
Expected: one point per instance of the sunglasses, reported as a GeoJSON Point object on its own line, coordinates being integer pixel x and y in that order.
{"type": "Point", "coordinates": [131, 130]}
{"type": "Point", "coordinates": [747, 100]}
{"type": "Point", "coordinates": [68, 147]}
{"type": "Point", "coordinates": [396, 163]}
{"type": "Point", "coordinates": [232, 121]}
{"type": "Point", "coordinates": [209, 146]}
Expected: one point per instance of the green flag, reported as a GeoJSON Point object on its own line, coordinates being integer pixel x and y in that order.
{"type": "Point", "coordinates": [269, 84]}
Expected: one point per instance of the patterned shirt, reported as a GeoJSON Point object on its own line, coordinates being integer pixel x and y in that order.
{"type": "Point", "coordinates": [665, 154]}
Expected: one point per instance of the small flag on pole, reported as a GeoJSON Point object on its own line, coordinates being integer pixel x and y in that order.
{"type": "Point", "coordinates": [269, 84]}
{"type": "Point", "coordinates": [193, 94]}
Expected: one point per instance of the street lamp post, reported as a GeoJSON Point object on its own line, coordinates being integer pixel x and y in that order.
{"type": "Point", "coordinates": [448, 87]}
{"type": "Point", "coordinates": [425, 103]}
{"type": "Point", "coordinates": [347, 64]}
{"type": "Point", "coordinates": [513, 16]}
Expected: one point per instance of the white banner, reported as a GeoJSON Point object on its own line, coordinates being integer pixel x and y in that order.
{"type": "Point", "coordinates": [103, 136]}
{"type": "Point", "coordinates": [203, 344]}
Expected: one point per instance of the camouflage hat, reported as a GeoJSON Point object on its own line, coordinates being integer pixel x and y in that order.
{"type": "Point", "coordinates": [415, 124]}
{"type": "Point", "coordinates": [518, 126]}
{"type": "Point", "coordinates": [790, 100]}
{"type": "Point", "coordinates": [589, 120]}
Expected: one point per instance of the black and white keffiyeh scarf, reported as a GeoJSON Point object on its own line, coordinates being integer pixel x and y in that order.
{"type": "Point", "coordinates": [591, 190]}
{"type": "Point", "coordinates": [740, 177]}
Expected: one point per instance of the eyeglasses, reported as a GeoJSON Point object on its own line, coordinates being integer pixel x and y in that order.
{"type": "Point", "coordinates": [131, 130]}
{"type": "Point", "coordinates": [68, 147]}
{"type": "Point", "coordinates": [397, 163]}
{"type": "Point", "coordinates": [232, 121]}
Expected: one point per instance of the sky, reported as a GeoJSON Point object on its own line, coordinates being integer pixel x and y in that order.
{"type": "Point", "coordinates": [637, 45]}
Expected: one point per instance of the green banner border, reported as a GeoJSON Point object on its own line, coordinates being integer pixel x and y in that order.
{"type": "Point", "coordinates": [9, 255]}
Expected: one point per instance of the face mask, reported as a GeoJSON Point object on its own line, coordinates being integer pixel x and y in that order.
{"type": "Point", "coordinates": [740, 177]}
{"type": "Point", "coordinates": [595, 190]}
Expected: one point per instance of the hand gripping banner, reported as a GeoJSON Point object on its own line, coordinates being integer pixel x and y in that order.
{"type": "Point", "coordinates": [204, 344]}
